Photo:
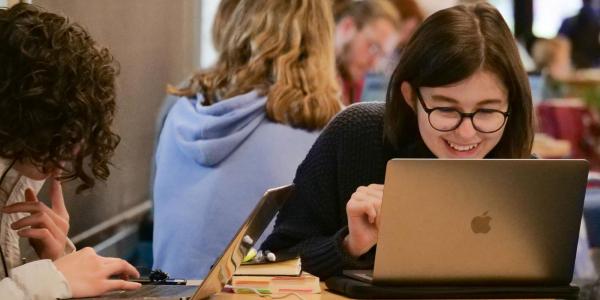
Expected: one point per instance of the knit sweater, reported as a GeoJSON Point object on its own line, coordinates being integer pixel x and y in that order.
{"type": "Point", "coordinates": [351, 152]}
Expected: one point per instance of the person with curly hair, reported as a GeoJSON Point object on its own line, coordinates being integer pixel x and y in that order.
{"type": "Point", "coordinates": [57, 104]}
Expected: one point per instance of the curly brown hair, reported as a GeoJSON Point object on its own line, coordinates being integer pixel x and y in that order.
{"type": "Point", "coordinates": [57, 95]}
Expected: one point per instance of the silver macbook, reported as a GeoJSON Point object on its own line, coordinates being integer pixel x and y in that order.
{"type": "Point", "coordinates": [479, 222]}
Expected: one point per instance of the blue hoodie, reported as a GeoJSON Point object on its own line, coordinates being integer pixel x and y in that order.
{"type": "Point", "coordinates": [213, 163]}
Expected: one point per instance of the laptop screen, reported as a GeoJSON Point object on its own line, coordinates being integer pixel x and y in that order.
{"type": "Point", "coordinates": [250, 231]}
{"type": "Point", "coordinates": [480, 222]}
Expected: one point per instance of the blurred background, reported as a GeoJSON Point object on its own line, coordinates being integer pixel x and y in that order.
{"type": "Point", "coordinates": [160, 42]}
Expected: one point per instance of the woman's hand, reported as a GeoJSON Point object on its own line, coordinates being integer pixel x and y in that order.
{"type": "Point", "coordinates": [363, 219]}
{"type": "Point", "coordinates": [46, 227]}
{"type": "Point", "coordinates": [89, 274]}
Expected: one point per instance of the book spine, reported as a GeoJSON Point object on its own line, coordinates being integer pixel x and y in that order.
{"type": "Point", "coordinates": [274, 290]}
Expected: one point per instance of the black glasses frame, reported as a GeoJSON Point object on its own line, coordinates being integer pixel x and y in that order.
{"type": "Point", "coordinates": [462, 115]}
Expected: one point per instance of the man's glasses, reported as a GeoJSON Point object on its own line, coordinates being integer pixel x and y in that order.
{"type": "Point", "coordinates": [375, 46]}
{"type": "Point", "coordinates": [447, 119]}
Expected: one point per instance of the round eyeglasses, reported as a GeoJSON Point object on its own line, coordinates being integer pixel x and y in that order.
{"type": "Point", "coordinates": [447, 119]}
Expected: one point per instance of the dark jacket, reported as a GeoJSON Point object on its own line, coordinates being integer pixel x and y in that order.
{"type": "Point", "coordinates": [583, 30]}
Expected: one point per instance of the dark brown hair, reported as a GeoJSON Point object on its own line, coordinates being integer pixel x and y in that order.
{"type": "Point", "coordinates": [450, 46]}
{"type": "Point", "coordinates": [57, 95]}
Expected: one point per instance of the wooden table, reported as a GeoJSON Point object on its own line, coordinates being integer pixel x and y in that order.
{"type": "Point", "coordinates": [178, 292]}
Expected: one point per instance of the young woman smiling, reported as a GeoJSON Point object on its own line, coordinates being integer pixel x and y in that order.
{"type": "Point", "coordinates": [459, 91]}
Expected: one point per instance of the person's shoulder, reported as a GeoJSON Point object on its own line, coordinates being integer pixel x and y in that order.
{"type": "Point", "coordinates": [360, 114]}
{"type": "Point", "coordinates": [567, 26]}
{"type": "Point", "coordinates": [269, 132]}
{"type": "Point", "coordinates": [362, 121]}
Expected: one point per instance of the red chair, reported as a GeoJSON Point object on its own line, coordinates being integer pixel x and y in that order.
{"type": "Point", "coordinates": [572, 120]}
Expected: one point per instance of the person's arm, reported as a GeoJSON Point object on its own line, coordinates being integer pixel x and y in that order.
{"type": "Point", "coordinates": [312, 223]}
{"type": "Point", "coordinates": [35, 281]}
{"type": "Point", "coordinates": [90, 274]}
{"type": "Point", "coordinates": [323, 256]}
{"type": "Point", "coordinates": [79, 274]}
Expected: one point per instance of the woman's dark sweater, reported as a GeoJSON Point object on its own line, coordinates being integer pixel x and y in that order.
{"type": "Point", "coordinates": [351, 152]}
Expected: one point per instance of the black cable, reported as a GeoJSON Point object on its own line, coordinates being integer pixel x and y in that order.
{"type": "Point", "coordinates": [2, 252]}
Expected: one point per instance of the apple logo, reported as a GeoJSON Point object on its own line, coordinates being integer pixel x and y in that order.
{"type": "Point", "coordinates": [481, 224]}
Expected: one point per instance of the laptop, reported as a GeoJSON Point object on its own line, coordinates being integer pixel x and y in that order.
{"type": "Point", "coordinates": [239, 246]}
{"type": "Point", "coordinates": [224, 267]}
{"type": "Point", "coordinates": [478, 223]}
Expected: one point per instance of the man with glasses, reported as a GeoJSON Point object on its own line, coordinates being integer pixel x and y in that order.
{"type": "Point", "coordinates": [366, 31]}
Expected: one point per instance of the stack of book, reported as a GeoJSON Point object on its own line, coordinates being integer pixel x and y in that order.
{"type": "Point", "coordinates": [274, 278]}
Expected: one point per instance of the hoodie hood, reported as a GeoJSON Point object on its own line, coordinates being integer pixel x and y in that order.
{"type": "Point", "coordinates": [209, 134]}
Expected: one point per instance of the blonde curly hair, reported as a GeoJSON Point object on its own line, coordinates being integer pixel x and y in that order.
{"type": "Point", "coordinates": [282, 49]}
